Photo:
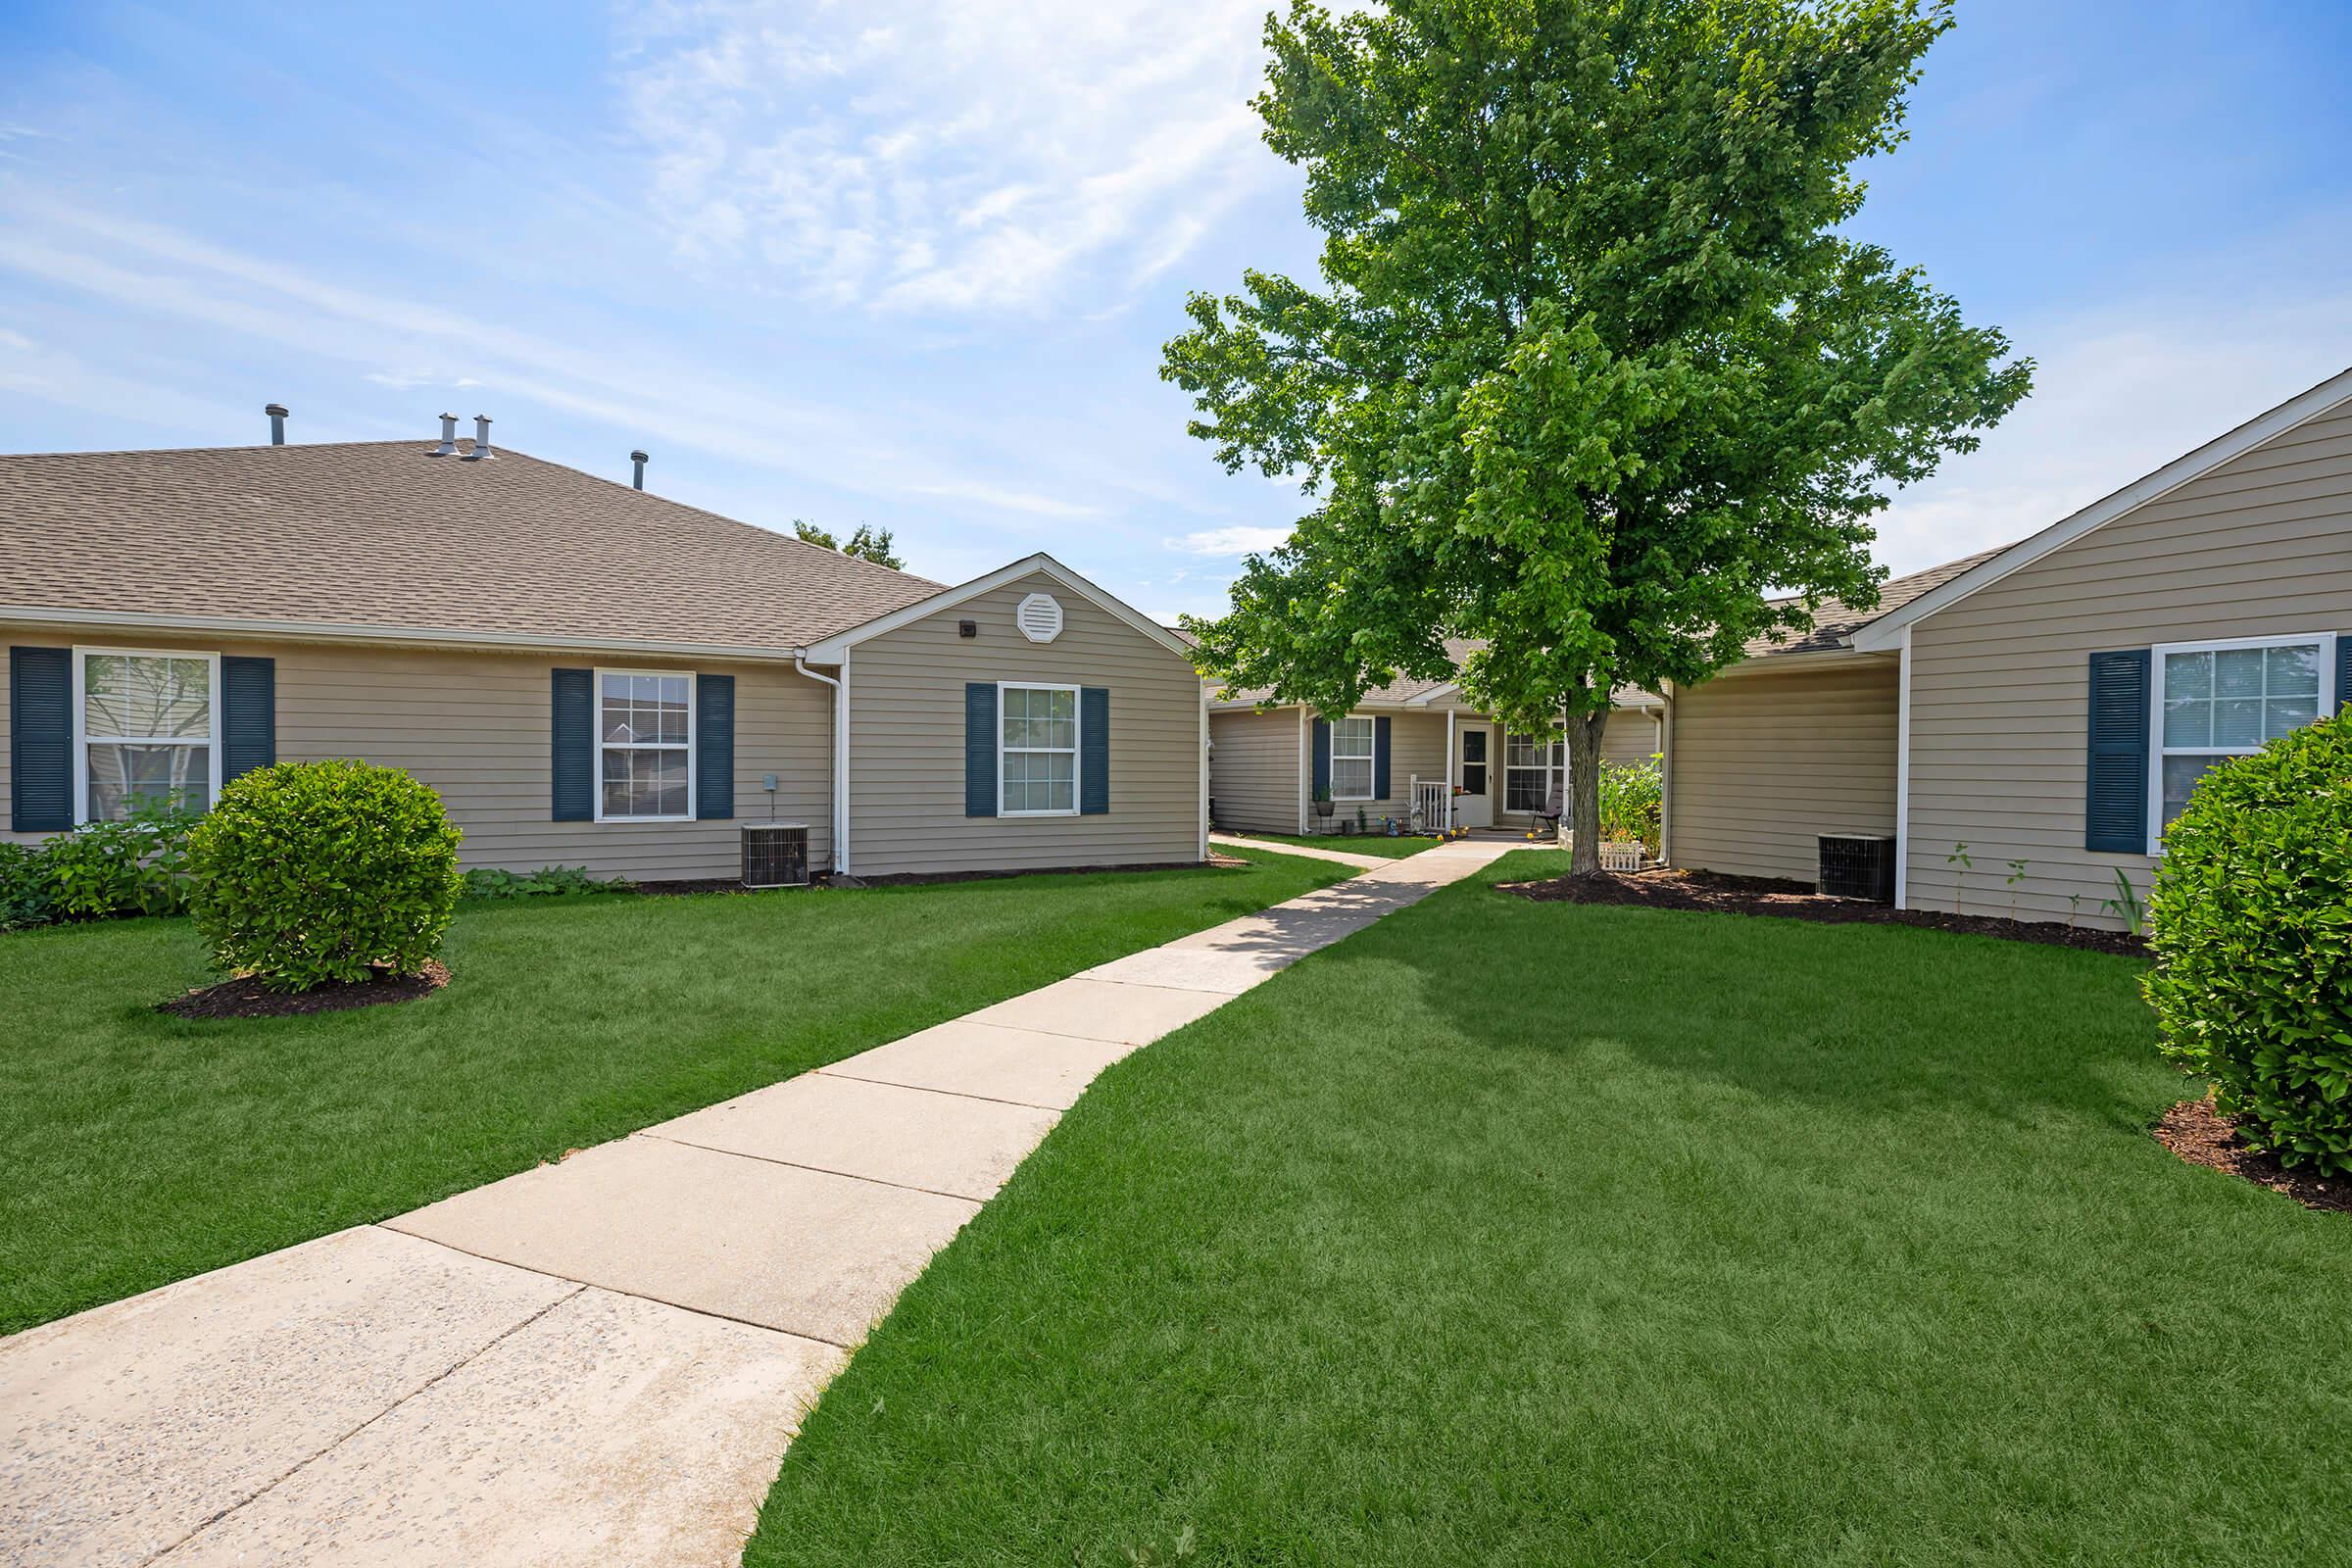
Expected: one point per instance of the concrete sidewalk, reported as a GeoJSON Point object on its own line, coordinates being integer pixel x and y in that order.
{"type": "Point", "coordinates": [597, 1360]}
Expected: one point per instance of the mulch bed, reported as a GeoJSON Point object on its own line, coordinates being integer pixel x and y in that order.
{"type": "Point", "coordinates": [248, 998]}
{"type": "Point", "coordinates": [1668, 889]}
{"type": "Point", "coordinates": [2203, 1135]}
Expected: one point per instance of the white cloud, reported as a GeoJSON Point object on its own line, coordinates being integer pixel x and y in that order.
{"type": "Point", "coordinates": [965, 158]}
{"type": "Point", "coordinates": [1233, 541]}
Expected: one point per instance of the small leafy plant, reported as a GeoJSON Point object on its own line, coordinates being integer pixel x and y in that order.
{"type": "Point", "coordinates": [1959, 858]}
{"type": "Point", "coordinates": [137, 866]}
{"type": "Point", "coordinates": [2017, 874]}
{"type": "Point", "coordinates": [2126, 904]}
{"type": "Point", "coordinates": [485, 882]}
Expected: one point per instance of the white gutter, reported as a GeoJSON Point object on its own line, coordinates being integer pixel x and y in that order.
{"type": "Point", "coordinates": [340, 631]}
{"type": "Point", "coordinates": [1204, 744]}
{"type": "Point", "coordinates": [841, 761]}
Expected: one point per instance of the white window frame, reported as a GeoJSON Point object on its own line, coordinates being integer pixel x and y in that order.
{"type": "Point", "coordinates": [1370, 758]}
{"type": "Point", "coordinates": [1555, 767]}
{"type": "Point", "coordinates": [83, 740]}
{"type": "Point", "coordinates": [597, 717]}
{"type": "Point", "coordinates": [2158, 750]}
{"type": "Point", "coordinates": [1077, 747]}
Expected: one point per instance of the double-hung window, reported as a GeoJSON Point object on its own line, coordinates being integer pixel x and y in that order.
{"type": "Point", "coordinates": [145, 726]}
{"type": "Point", "coordinates": [1529, 766]}
{"type": "Point", "coordinates": [1351, 743]}
{"type": "Point", "coordinates": [2219, 699]}
{"type": "Point", "coordinates": [1037, 754]}
{"type": "Point", "coordinates": [645, 746]}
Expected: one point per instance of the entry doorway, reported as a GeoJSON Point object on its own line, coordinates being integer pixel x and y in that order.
{"type": "Point", "coordinates": [1474, 771]}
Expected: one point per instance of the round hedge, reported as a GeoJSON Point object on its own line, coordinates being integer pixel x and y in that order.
{"type": "Point", "coordinates": [307, 873]}
{"type": "Point", "coordinates": [2251, 923]}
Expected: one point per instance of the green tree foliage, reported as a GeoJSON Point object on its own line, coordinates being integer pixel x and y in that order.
{"type": "Point", "coordinates": [2251, 925]}
{"type": "Point", "coordinates": [309, 873]}
{"type": "Point", "coordinates": [867, 543]}
{"type": "Point", "coordinates": [1594, 364]}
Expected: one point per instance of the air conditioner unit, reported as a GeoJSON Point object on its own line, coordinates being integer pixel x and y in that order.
{"type": "Point", "coordinates": [775, 854]}
{"type": "Point", "coordinates": [1858, 865]}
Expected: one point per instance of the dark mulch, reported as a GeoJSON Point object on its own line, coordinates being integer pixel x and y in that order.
{"type": "Point", "coordinates": [1666, 888]}
{"type": "Point", "coordinates": [2203, 1135]}
{"type": "Point", "coordinates": [248, 998]}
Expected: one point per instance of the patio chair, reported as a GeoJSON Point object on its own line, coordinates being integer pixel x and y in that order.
{"type": "Point", "coordinates": [1553, 806]}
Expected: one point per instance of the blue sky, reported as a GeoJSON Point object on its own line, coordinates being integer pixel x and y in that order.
{"type": "Point", "coordinates": [912, 264]}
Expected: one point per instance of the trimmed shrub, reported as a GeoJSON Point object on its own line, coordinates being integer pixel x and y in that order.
{"type": "Point", "coordinates": [2251, 925]}
{"type": "Point", "coordinates": [309, 873]}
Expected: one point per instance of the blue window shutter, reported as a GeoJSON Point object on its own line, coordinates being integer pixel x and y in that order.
{"type": "Point", "coordinates": [979, 749]}
{"type": "Point", "coordinates": [2115, 819]}
{"type": "Point", "coordinates": [713, 747]}
{"type": "Point", "coordinates": [1094, 751]}
{"type": "Point", "coordinates": [1322, 757]}
{"type": "Point", "coordinates": [2343, 671]}
{"type": "Point", "coordinates": [571, 756]}
{"type": "Point", "coordinates": [40, 739]}
{"type": "Point", "coordinates": [1380, 758]}
{"type": "Point", "coordinates": [248, 714]}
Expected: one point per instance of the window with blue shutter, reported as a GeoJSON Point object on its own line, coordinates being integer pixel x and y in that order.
{"type": "Point", "coordinates": [2343, 671]}
{"type": "Point", "coordinates": [40, 739]}
{"type": "Point", "coordinates": [713, 747]}
{"type": "Point", "coordinates": [1094, 745]}
{"type": "Point", "coordinates": [979, 749]}
{"type": "Point", "coordinates": [248, 714]}
{"type": "Point", "coordinates": [1380, 758]}
{"type": "Point", "coordinates": [1322, 759]}
{"type": "Point", "coordinates": [2115, 819]}
{"type": "Point", "coordinates": [571, 750]}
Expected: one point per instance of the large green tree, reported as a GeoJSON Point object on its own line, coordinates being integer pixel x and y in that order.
{"type": "Point", "coordinates": [1595, 363]}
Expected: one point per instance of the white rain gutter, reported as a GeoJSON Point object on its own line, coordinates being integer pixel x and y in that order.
{"type": "Point", "coordinates": [841, 758]}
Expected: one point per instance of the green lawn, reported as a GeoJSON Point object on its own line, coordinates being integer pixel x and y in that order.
{"type": "Point", "coordinates": [1379, 844]}
{"type": "Point", "coordinates": [140, 1149]}
{"type": "Point", "coordinates": [1511, 1233]}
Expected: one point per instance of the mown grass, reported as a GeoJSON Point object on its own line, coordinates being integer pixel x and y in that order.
{"type": "Point", "coordinates": [1546, 1234]}
{"type": "Point", "coordinates": [139, 1149]}
{"type": "Point", "coordinates": [1380, 844]}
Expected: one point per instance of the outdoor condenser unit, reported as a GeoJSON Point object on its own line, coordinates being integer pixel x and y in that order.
{"type": "Point", "coordinates": [1858, 865]}
{"type": "Point", "coordinates": [775, 854]}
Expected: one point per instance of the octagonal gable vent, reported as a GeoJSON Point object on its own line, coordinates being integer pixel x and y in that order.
{"type": "Point", "coordinates": [1039, 616]}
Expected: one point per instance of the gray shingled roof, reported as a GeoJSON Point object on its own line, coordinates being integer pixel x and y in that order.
{"type": "Point", "coordinates": [378, 534]}
{"type": "Point", "coordinates": [1833, 624]}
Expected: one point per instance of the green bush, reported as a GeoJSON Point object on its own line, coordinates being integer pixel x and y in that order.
{"type": "Point", "coordinates": [309, 873]}
{"type": "Point", "coordinates": [485, 882]}
{"type": "Point", "coordinates": [27, 897]}
{"type": "Point", "coordinates": [136, 866]}
{"type": "Point", "coordinates": [2251, 925]}
{"type": "Point", "coordinates": [1632, 797]}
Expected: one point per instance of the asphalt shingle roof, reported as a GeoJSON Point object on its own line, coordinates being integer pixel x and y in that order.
{"type": "Point", "coordinates": [378, 534]}
{"type": "Point", "coordinates": [1834, 623]}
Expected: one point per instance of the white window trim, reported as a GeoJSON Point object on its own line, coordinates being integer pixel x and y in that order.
{"type": "Point", "coordinates": [2158, 750]}
{"type": "Point", "coordinates": [1370, 759]}
{"type": "Point", "coordinates": [1555, 770]}
{"type": "Point", "coordinates": [1077, 744]}
{"type": "Point", "coordinates": [82, 739]}
{"type": "Point", "coordinates": [597, 717]}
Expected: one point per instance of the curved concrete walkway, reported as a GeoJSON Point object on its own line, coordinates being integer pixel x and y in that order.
{"type": "Point", "coordinates": [600, 1360]}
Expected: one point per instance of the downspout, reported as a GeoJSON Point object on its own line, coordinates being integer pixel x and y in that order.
{"type": "Point", "coordinates": [1666, 774]}
{"type": "Point", "coordinates": [1450, 759]}
{"type": "Point", "coordinates": [1902, 777]}
{"type": "Point", "coordinates": [1205, 743]}
{"type": "Point", "coordinates": [841, 758]}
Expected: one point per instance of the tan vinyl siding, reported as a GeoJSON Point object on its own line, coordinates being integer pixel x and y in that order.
{"type": "Point", "coordinates": [906, 795]}
{"type": "Point", "coordinates": [1416, 745]}
{"type": "Point", "coordinates": [1765, 763]}
{"type": "Point", "coordinates": [2260, 547]}
{"type": "Point", "coordinates": [475, 726]}
{"type": "Point", "coordinates": [1254, 770]}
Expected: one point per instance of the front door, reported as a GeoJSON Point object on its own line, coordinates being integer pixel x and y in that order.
{"type": "Point", "coordinates": [1474, 771]}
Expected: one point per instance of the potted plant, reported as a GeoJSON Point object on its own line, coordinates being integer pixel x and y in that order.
{"type": "Point", "coordinates": [1323, 805]}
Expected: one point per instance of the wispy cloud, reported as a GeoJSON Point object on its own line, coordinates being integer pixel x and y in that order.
{"type": "Point", "coordinates": [1231, 542]}
{"type": "Point", "coordinates": [948, 158]}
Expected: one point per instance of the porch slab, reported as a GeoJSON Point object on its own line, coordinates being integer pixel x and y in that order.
{"type": "Point", "coordinates": [801, 1250]}
{"type": "Point", "coordinates": [995, 1062]}
{"type": "Point", "coordinates": [123, 1429]}
{"type": "Point", "coordinates": [909, 1137]}
{"type": "Point", "coordinates": [611, 1429]}
{"type": "Point", "coordinates": [1102, 1010]}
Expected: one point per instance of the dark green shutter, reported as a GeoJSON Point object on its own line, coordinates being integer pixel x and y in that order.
{"type": "Point", "coordinates": [1094, 751]}
{"type": "Point", "coordinates": [1322, 759]}
{"type": "Point", "coordinates": [2115, 819]}
{"type": "Point", "coordinates": [2343, 671]}
{"type": "Point", "coordinates": [571, 751]}
{"type": "Point", "coordinates": [714, 746]}
{"type": "Point", "coordinates": [979, 749]}
{"type": "Point", "coordinates": [40, 739]}
{"type": "Point", "coordinates": [1380, 758]}
{"type": "Point", "coordinates": [248, 714]}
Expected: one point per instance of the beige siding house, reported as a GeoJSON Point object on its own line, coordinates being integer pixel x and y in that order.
{"type": "Point", "coordinates": [588, 674]}
{"type": "Point", "coordinates": [2051, 705]}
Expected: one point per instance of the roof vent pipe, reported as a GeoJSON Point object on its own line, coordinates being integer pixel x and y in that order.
{"type": "Point", "coordinates": [277, 412]}
{"type": "Point", "coordinates": [638, 459]}
{"type": "Point", "coordinates": [449, 438]}
{"type": "Point", "coordinates": [481, 439]}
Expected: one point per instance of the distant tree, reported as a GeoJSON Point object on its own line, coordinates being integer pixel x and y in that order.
{"type": "Point", "coordinates": [867, 543]}
{"type": "Point", "coordinates": [1596, 365]}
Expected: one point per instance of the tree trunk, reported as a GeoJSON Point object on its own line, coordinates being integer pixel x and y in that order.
{"type": "Point", "coordinates": [1584, 790]}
